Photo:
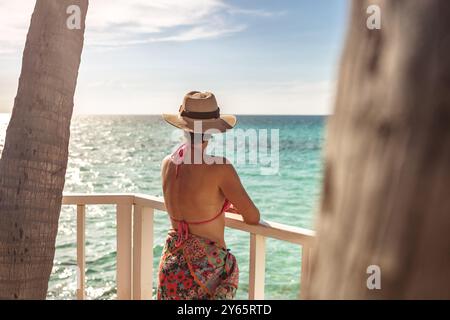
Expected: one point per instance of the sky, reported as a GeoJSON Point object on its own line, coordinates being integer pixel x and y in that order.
{"type": "Point", "coordinates": [141, 57]}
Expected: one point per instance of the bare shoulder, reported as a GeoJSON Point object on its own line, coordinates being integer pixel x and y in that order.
{"type": "Point", "coordinates": [222, 165]}
{"type": "Point", "coordinates": [165, 161]}
{"type": "Point", "coordinates": [217, 161]}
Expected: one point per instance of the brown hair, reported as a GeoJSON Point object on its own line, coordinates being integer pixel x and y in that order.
{"type": "Point", "coordinates": [197, 136]}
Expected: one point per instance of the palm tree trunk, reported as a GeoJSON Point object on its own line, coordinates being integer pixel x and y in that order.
{"type": "Point", "coordinates": [34, 159]}
{"type": "Point", "coordinates": [385, 199]}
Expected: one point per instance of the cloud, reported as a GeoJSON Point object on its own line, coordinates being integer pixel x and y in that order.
{"type": "Point", "coordinates": [283, 97]}
{"type": "Point", "coordinates": [200, 32]}
{"type": "Point", "coordinates": [118, 23]}
{"type": "Point", "coordinates": [15, 19]}
{"type": "Point", "coordinates": [259, 97]}
{"type": "Point", "coordinates": [256, 12]}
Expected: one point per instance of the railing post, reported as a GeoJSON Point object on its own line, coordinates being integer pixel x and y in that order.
{"type": "Point", "coordinates": [81, 256]}
{"type": "Point", "coordinates": [134, 269]}
{"type": "Point", "coordinates": [257, 267]}
{"type": "Point", "coordinates": [142, 253]}
{"type": "Point", "coordinates": [124, 248]}
{"type": "Point", "coordinates": [305, 268]}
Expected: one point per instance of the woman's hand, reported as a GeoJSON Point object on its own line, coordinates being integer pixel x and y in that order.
{"type": "Point", "coordinates": [234, 191]}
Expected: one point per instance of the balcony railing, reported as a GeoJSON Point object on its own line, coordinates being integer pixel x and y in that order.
{"type": "Point", "coordinates": [134, 271]}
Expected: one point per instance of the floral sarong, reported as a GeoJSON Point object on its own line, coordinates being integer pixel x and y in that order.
{"type": "Point", "coordinates": [197, 269]}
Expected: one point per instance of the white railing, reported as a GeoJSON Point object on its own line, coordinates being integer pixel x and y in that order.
{"type": "Point", "coordinates": [134, 272]}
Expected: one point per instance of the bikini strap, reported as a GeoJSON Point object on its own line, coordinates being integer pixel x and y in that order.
{"type": "Point", "coordinates": [225, 207]}
{"type": "Point", "coordinates": [206, 221]}
{"type": "Point", "coordinates": [177, 157]}
{"type": "Point", "coordinates": [182, 232]}
{"type": "Point", "coordinates": [183, 226]}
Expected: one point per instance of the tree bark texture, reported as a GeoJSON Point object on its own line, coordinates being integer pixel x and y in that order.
{"type": "Point", "coordinates": [386, 191]}
{"type": "Point", "coordinates": [34, 159]}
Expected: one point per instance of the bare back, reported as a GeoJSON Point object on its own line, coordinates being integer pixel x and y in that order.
{"type": "Point", "coordinates": [195, 196]}
{"type": "Point", "coordinates": [198, 193]}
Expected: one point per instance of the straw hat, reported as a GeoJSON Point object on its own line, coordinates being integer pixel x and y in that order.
{"type": "Point", "coordinates": [200, 107]}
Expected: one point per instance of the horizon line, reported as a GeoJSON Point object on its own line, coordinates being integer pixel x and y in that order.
{"type": "Point", "coordinates": [159, 114]}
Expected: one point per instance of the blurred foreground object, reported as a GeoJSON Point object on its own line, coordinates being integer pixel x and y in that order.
{"type": "Point", "coordinates": [386, 192]}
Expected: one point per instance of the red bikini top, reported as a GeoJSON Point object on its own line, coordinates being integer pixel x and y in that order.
{"type": "Point", "coordinates": [183, 225]}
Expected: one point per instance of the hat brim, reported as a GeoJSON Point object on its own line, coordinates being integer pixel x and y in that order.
{"type": "Point", "coordinates": [225, 122]}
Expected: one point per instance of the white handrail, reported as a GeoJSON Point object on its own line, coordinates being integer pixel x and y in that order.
{"type": "Point", "coordinates": [135, 242]}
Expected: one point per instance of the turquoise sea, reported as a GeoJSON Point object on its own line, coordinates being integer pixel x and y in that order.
{"type": "Point", "coordinates": [122, 153]}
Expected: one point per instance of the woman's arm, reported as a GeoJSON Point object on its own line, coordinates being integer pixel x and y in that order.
{"type": "Point", "coordinates": [234, 191]}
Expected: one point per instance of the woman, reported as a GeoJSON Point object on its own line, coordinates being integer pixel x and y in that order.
{"type": "Point", "coordinates": [198, 189]}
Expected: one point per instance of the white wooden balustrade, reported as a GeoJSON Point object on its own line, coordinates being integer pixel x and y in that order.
{"type": "Point", "coordinates": [134, 271]}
